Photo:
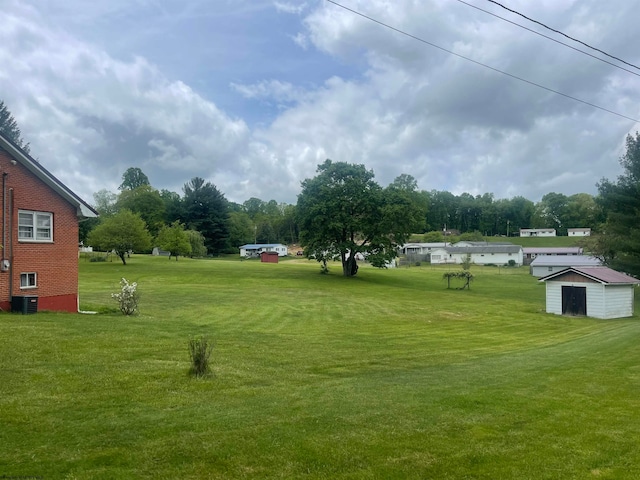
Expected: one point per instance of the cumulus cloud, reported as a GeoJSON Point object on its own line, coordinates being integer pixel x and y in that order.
{"type": "Point", "coordinates": [349, 89]}
{"type": "Point", "coordinates": [84, 111]}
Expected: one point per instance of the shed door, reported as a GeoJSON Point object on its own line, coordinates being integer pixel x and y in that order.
{"type": "Point", "coordinates": [574, 300]}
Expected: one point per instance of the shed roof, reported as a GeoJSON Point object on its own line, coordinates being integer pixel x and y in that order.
{"type": "Point", "coordinates": [485, 249]}
{"type": "Point", "coordinates": [552, 250]}
{"type": "Point", "coordinates": [425, 245]}
{"type": "Point", "coordinates": [603, 275]}
{"type": "Point", "coordinates": [469, 243]}
{"type": "Point", "coordinates": [252, 246]}
{"type": "Point", "coordinates": [27, 161]}
{"type": "Point", "coordinates": [565, 261]}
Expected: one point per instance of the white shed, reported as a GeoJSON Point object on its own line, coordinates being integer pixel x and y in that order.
{"type": "Point", "coordinates": [598, 292]}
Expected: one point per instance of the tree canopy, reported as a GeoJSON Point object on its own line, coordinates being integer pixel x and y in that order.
{"type": "Point", "coordinates": [174, 239]}
{"type": "Point", "coordinates": [123, 232]}
{"type": "Point", "coordinates": [133, 178]}
{"type": "Point", "coordinates": [343, 212]}
{"type": "Point", "coordinates": [621, 202]}
{"type": "Point", "coordinates": [147, 202]}
{"type": "Point", "coordinates": [206, 211]}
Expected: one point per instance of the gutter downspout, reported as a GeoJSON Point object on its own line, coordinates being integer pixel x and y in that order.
{"type": "Point", "coordinates": [10, 243]}
{"type": "Point", "coordinates": [4, 213]}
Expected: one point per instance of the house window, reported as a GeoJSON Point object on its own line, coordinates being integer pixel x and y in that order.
{"type": "Point", "coordinates": [28, 280]}
{"type": "Point", "coordinates": [35, 226]}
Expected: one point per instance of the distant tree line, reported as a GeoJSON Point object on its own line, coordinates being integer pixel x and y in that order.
{"type": "Point", "coordinates": [226, 225]}
{"type": "Point", "coordinates": [200, 209]}
{"type": "Point", "coordinates": [485, 214]}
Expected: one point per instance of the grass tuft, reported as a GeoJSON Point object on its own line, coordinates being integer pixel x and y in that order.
{"type": "Point", "coordinates": [200, 350]}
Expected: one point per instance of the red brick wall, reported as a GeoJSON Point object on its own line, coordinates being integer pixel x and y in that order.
{"type": "Point", "coordinates": [55, 264]}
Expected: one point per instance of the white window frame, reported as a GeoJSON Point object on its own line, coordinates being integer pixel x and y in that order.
{"type": "Point", "coordinates": [35, 230]}
{"type": "Point", "coordinates": [25, 283]}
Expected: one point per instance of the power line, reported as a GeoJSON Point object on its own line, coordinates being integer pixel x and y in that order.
{"type": "Point", "coordinates": [482, 64]}
{"type": "Point", "coordinates": [550, 38]}
{"type": "Point", "coordinates": [564, 34]}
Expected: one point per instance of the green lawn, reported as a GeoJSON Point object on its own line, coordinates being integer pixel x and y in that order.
{"type": "Point", "coordinates": [539, 241]}
{"type": "Point", "coordinates": [385, 375]}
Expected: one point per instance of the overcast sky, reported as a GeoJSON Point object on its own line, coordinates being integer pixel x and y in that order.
{"type": "Point", "coordinates": [252, 94]}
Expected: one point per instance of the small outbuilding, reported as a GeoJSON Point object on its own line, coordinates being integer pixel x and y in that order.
{"type": "Point", "coordinates": [269, 257]}
{"type": "Point", "coordinates": [598, 292]}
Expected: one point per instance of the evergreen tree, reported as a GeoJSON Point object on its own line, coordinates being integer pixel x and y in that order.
{"type": "Point", "coordinates": [9, 128]}
{"type": "Point", "coordinates": [205, 210]}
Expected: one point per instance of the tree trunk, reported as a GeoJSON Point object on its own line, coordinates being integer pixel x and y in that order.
{"type": "Point", "coordinates": [349, 266]}
{"type": "Point", "coordinates": [121, 255]}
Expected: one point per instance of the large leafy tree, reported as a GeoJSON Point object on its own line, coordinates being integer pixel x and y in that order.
{"type": "Point", "coordinates": [343, 212]}
{"type": "Point", "coordinates": [123, 232]}
{"type": "Point", "coordinates": [174, 239]}
{"type": "Point", "coordinates": [582, 211]}
{"type": "Point", "coordinates": [620, 201]}
{"type": "Point", "coordinates": [146, 201]}
{"type": "Point", "coordinates": [9, 128]}
{"type": "Point", "coordinates": [206, 211]}
{"type": "Point", "coordinates": [241, 229]}
{"type": "Point", "coordinates": [173, 206]}
{"type": "Point", "coordinates": [551, 212]}
{"type": "Point", "coordinates": [519, 212]}
{"type": "Point", "coordinates": [133, 178]}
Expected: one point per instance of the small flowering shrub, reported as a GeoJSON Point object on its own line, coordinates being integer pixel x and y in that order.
{"type": "Point", "coordinates": [128, 297]}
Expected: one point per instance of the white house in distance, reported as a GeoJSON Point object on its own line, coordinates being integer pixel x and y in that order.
{"type": "Point", "coordinates": [490, 254]}
{"type": "Point", "coordinates": [598, 292]}
{"type": "Point", "coordinates": [579, 232]}
{"type": "Point", "coordinates": [548, 264]}
{"type": "Point", "coordinates": [421, 248]}
{"type": "Point", "coordinates": [255, 249]}
{"type": "Point", "coordinates": [537, 232]}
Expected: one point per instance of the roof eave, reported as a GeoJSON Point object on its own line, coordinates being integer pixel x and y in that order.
{"type": "Point", "coordinates": [84, 210]}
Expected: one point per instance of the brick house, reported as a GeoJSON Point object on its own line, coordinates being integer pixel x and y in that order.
{"type": "Point", "coordinates": [40, 216]}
